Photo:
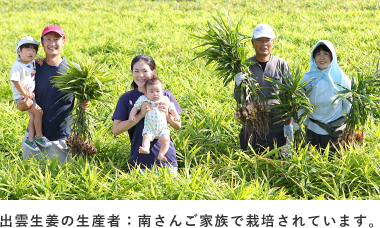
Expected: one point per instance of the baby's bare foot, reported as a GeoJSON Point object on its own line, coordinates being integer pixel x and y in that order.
{"type": "Point", "coordinates": [162, 158]}
{"type": "Point", "coordinates": [143, 150]}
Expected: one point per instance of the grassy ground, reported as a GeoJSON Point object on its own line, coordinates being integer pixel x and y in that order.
{"type": "Point", "coordinates": [211, 165]}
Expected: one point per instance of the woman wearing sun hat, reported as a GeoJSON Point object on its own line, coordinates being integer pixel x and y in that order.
{"type": "Point", "coordinates": [325, 78]}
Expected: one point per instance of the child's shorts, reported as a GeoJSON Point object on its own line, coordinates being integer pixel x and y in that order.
{"type": "Point", "coordinates": [17, 100]}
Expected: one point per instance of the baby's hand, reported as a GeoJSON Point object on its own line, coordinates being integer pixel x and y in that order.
{"type": "Point", "coordinates": [163, 108]}
{"type": "Point", "coordinates": [145, 107]}
{"type": "Point", "coordinates": [40, 61]}
{"type": "Point", "coordinates": [162, 157]}
{"type": "Point", "coordinates": [133, 118]}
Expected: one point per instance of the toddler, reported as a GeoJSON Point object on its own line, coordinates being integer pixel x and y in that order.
{"type": "Point", "coordinates": [155, 123]}
{"type": "Point", "coordinates": [23, 84]}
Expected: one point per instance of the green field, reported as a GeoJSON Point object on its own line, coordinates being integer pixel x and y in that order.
{"type": "Point", "coordinates": [211, 165]}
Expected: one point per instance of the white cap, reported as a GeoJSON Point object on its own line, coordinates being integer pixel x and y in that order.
{"type": "Point", "coordinates": [25, 40]}
{"type": "Point", "coordinates": [263, 30]}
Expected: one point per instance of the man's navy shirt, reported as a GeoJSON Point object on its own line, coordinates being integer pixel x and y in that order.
{"type": "Point", "coordinates": [57, 108]}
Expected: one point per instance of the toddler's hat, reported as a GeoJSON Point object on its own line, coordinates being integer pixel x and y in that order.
{"type": "Point", "coordinates": [263, 30]}
{"type": "Point", "coordinates": [25, 40]}
{"type": "Point", "coordinates": [53, 28]}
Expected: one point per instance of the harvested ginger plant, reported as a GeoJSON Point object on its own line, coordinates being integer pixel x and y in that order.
{"type": "Point", "coordinates": [364, 98]}
{"type": "Point", "coordinates": [87, 83]}
{"type": "Point", "coordinates": [251, 110]}
{"type": "Point", "coordinates": [225, 47]}
{"type": "Point", "coordinates": [255, 119]}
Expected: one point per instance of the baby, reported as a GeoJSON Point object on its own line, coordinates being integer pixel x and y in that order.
{"type": "Point", "coordinates": [155, 123]}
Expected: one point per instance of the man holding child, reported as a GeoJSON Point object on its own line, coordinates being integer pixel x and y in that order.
{"type": "Point", "coordinates": [56, 107]}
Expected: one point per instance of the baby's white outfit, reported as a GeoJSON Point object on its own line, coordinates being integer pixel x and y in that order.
{"type": "Point", "coordinates": [155, 121]}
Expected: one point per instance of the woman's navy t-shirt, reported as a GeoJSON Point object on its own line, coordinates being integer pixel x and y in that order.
{"type": "Point", "coordinates": [123, 108]}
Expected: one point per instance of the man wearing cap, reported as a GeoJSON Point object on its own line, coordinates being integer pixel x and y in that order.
{"type": "Point", "coordinates": [56, 107]}
{"type": "Point", "coordinates": [266, 65]}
